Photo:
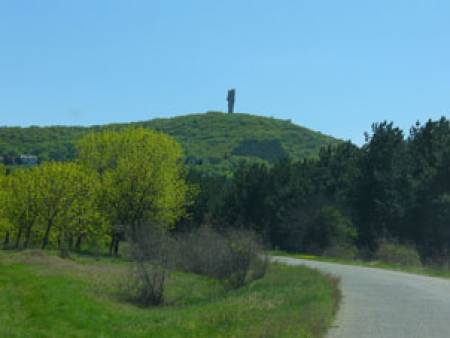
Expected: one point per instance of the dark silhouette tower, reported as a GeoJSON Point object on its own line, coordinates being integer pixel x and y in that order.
{"type": "Point", "coordinates": [231, 98]}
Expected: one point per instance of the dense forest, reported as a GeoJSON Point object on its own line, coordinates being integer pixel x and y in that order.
{"type": "Point", "coordinates": [213, 142]}
{"type": "Point", "coordinates": [348, 201]}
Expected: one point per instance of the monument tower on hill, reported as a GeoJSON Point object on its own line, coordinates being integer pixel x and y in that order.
{"type": "Point", "coordinates": [231, 98]}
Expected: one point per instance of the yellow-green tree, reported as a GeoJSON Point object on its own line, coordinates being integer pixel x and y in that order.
{"type": "Point", "coordinates": [66, 201]}
{"type": "Point", "coordinates": [86, 222]}
{"type": "Point", "coordinates": [100, 151]}
{"type": "Point", "coordinates": [4, 223]}
{"type": "Point", "coordinates": [21, 205]}
{"type": "Point", "coordinates": [142, 176]}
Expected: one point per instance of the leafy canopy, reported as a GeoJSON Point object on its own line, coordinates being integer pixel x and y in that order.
{"type": "Point", "coordinates": [142, 176]}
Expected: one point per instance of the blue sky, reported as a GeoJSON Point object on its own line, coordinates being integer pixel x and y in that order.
{"type": "Point", "coordinates": [333, 66]}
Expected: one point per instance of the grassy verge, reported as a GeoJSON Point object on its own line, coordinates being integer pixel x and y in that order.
{"type": "Point", "coordinates": [44, 296]}
{"type": "Point", "coordinates": [423, 270]}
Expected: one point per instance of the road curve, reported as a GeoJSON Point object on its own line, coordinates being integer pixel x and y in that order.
{"type": "Point", "coordinates": [383, 304]}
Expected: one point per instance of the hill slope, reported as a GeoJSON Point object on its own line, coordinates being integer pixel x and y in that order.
{"type": "Point", "coordinates": [212, 140]}
{"type": "Point", "coordinates": [46, 296]}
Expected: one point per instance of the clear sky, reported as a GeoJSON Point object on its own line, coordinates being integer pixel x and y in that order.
{"type": "Point", "coordinates": [333, 66]}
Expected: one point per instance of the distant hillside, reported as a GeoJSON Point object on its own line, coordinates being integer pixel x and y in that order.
{"type": "Point", "coordinates": [212, 140]}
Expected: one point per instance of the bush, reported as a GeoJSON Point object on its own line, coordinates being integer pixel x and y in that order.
{"type": "Point", "coordinates": [316, 229]}
{"type": "Point", "coordinates": [330, 230]}
{"type": "Point", "coordinates": [246, 261]}
{"type": "Point", "coordinates": [149, 272]}
{"type": "Point", "coordinates": [398, 254]}
{"type": "Point", "coordinates": [235, 257]}
{"type": "Point", "coordinates": [347, 251]}
{"type": "Point", "coordinates": [146, 283]}
{"type": "Point", "coordinates": [197, 252]}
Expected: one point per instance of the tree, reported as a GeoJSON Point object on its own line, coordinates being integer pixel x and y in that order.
{"type": "Point", "coordinates": [245, 201]}
{"type": "Point", "coordinates": [338, 168]}
{"type": "Point", "coordinates": [209, 191]}
{"type": "Point", "coordinates": [87, 223]}
{"type": "Point", "coordinates": [100, 151]}
{"type": "Point", "coordinates": [383, 188]}
{"type": "Point", "coordinates": [4, 223]}
{"type": "Point", "coordinates": [329, 229]}
{"type": "Point", "coordinates": [22, 205]}
{"type": "Point", "coordinates": [142, 179]}
{"type": "Point", "coordinates": [65, 190]}
{"type": "Point", "coordinates": [429, 150]}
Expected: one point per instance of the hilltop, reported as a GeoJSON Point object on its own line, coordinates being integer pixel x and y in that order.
{"type": "Point", "coordinates": [213, 140]}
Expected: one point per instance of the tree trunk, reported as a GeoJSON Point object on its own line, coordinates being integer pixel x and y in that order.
{"type": "Point", "coordinates": [63, 249]}
{"type": "Point", "coordinates": [111, 245]}
{"type": "Point", "coordinates": [70, 240]}
{"type": "Point", "coordinates": [6, 241]}
{"type": "Point", "coordinates": [27, 237]}
{"type": "Point", "coordinates": [19, 235]}
{"type": "Point", "coordinates": [116, 246]}
{"type": "Point", "coordinates": [78, 243]}
{"type": "Point", "coordinates": [47, 232]}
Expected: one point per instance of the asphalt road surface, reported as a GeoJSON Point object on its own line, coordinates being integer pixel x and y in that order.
{"type": "Point", "coordinates": [383, 304]}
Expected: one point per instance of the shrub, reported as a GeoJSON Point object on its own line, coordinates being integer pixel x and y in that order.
{"type": "Point", "coordinates": [146, 282]}
{"type": "Point", "coordinates": [199, 251]}
{"type": "Point", "coordinates": [234, 257]}
{"type": "Point", "coordinates": [347, 251]}
{"type": "Point", "coordinates": [330, 230]}
{"type": "Point", "coordinates": [246, 260]}
{"type": "Point", "coordinates": [398, 254]}
{"type": "Point", "coordinates": [316, 229]}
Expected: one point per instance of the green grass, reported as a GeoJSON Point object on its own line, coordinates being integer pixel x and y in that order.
{"type": "Point", "coordinates": [433, 271]}
{"type": "Point", "coordinates": [44, 296]}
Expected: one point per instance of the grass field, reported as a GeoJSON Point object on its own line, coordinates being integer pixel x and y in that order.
{"type": "Point", "coordinates": [425, 270]}
{"type": "Point", "coordinates": [42, 295]}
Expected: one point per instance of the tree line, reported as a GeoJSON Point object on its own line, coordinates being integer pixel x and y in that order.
{"type": "Point", "coordinates": [347, 201]}
{"type": "Point", "coordinates": [212, 141]}
{"type": "Point", "coordinates": [394, 188]}
{"type": "Point", "coordinates": [119, 182]}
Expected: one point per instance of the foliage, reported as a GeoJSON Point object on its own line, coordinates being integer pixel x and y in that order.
{"type": "Point", "coordinates": [121, 181]}
{"type": "Point", "coordinates": [212, 142]}
{"type": "Point", "coordinates": [394, 187]}
{"type": "Point", "coordinates": [398, 254]}
{"type": "Point", "coordinates": [66, 200]}
{"type": "Point", "coordinates": [268, 150]}
{"type": "Point", "coordinates": [53, 202]}
{"type": "Point", "coordinates": [235, 257]}
{"type": "Point", "coordinates": [4, 222]}
{"type": "Point", "coordinates": [48, 143]}
{"type": "Point", "coordinates": [147, 280]}
{"type": "Point", "coordinates": [245, 202]}
{"type": "Point", "coordinates": [21, 205]}
{"type": "Point", "coordinates": [383, 188]}
{"type": "Point", "coordinates": [247, 261]}
{"type": "Point", "coordinates": [329, 229]}
{"type": "Point", "coordinates": [294, 205]}
{"type": "Point", "coordinates": [142, 178]}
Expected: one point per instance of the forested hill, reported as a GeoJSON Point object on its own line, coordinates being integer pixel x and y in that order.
{"type": "Point", "coordinates": [212, 140]}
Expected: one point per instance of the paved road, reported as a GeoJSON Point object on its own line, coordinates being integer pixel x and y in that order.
{"type": "Point", "coordinates": [383, 304]}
